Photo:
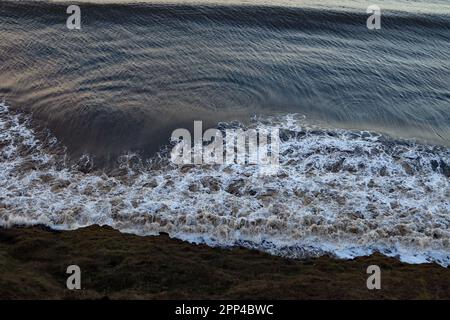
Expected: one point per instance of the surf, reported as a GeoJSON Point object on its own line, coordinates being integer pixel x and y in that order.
{"type": "Point", "coordinates": [337, 192]}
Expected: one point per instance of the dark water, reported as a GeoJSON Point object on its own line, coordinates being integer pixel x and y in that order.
{"type": "Point", "coordinates": [136, 72]}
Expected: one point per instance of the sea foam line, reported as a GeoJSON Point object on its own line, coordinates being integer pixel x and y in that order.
{"type": "Point", "coordinates": [338, 192]}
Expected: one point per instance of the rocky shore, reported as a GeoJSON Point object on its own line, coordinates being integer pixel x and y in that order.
{"type": "Point", "coordinates": [33, 263]}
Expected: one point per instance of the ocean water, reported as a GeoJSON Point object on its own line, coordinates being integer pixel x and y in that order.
{"type": "Point", "coordinates": [364, 117]}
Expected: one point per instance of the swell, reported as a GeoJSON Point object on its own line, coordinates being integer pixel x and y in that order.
{"type": "Point", "coordinates": [137, 72]}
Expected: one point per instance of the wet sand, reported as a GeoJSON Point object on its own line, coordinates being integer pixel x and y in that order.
{"type": "Point", "coordinates": [114, 265]}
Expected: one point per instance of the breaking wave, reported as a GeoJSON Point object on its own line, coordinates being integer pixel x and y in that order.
{"type": "Point", "coordinates": [337, 192]}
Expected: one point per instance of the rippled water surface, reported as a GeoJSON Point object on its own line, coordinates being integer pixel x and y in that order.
{"type": "Point", "coordinates": [134, 73]}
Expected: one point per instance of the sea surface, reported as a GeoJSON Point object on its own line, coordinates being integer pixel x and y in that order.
{"type": "Point", "coordinates": [364, 116]}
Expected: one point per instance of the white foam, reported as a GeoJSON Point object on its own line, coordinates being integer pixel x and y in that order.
{"type": "Point", "coordinates": [338, 192]}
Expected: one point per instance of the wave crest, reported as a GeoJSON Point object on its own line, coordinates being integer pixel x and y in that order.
{"type": "Point", "coordinates": [338, 192]}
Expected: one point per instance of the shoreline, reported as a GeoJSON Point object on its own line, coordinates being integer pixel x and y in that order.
{"type": "Point", "coordinates": [114, 265]}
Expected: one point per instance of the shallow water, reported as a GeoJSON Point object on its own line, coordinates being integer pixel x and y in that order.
{"type": "Point", "coordinates": [338, 192]}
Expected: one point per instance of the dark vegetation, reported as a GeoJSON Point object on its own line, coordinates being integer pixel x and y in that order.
{"type": "Point", "coordinates": [33, 264]}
